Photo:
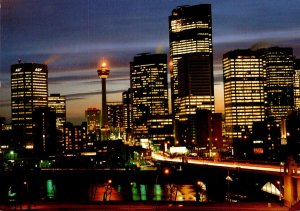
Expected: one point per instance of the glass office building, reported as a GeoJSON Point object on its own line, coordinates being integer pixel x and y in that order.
{"type": "Point", "coordinates": [190, 32]}
{"type": "Point", "coordinates": [244, 93]}
{"type": "Point", "coordinates": [29, 90]}
{"type": "Point", "coordinates": [149, 90]}
{"type": "Point", "coordinates": [58, 104]}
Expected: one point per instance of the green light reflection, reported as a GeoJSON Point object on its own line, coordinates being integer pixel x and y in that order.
{"type": "Point", "coordinates": [135, 192]}
{"type": "Point", "coordinates": [157, 196]}
{"type": "Point", "coordinates": [143, 192]}
{"type": "Point", "coordinates": [50, 188]}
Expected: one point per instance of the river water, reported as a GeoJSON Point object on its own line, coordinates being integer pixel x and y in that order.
{"type": "Point", "coordinates": [98, 186]}
{"type": "Point", "coordinates": [190, 184]}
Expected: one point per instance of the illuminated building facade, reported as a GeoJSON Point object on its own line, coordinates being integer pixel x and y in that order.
{"type": "Point", "coordinates": [244, 91]}
{"type": "Point", "coordinates": [195, 84]}
{"type": "Point", "coordinates": [127, 115]}
{"type": "Point", "coordinates": [92, 116]}
{"type": "Point", "coordinates": [115, 119]}
{"type": "Point", "coordinates": [115, 114]}
{"type": "Point", "coordinates": [160, 130]}
{"type": "Point", "coordinates": [149, 90]}
{"type": "Point", "coordinates": [278, 64]}
{"type": "Point", "coordinates": [75, 138]}
{"type": "Point", "coordinates": [258, 87]}
{"type": "Point", "coordinates": [58, 103]}
{"type": "Point", "coordinates": [190, 32]}
{"type": "Point", "coordinates": [29, 90]}
{"type": "Point", "coordinates": [297, 85]}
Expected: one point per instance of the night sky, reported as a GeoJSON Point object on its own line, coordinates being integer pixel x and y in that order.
{"type": "Point", "coordinates": [73, 36]}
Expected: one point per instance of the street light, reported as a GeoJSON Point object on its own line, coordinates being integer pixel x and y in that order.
{"type": "Point", "coordinates": [28, 194]}
{"type": "Point", "coordinates": [279, 184]}
{"type": "Point", "coordinates": [166, 171]}
{"type": "Point", "coordinates": [229, 179]}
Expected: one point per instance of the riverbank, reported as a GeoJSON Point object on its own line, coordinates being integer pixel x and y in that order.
{"type": "Point", "coordinates": [241, 206]}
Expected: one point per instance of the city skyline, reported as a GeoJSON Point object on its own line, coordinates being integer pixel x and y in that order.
{"type": "Point", "coordinates": [72, 38]}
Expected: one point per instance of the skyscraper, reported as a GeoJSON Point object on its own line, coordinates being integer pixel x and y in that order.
{"type": "Point", "coordinates": [115, 114]}
{"type": "Point", "coordinates": [44, 131]}
{"type": "Point", "coordinates": [92, 116]}
{"type": "Point", "coordinates": [278, 64]}
{"type": "Point", "coordinates": [190, 34]}
{"type": "Point", "coordinates": [297, 84]}
{"type": "Point", "coordinates": [244, 91]}
{"type": "Point", "coordinates": [149, 90]}
{"type": "Point", "coordinates": [194, 84]}
{"type": "Point", "coordinates": [58, 104]}
{"type": "Point", "coordinates": [127, 115]}
{"type": "Point", "coordinates": [29, 90]}
{"type": "Point", "coordinates": [115, 119]}
{"type": "Point", "coordinates": [258, 87]}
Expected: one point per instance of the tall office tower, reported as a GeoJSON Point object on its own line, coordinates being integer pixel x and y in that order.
{"type": "Point", "coordinates": [258, 87]}
{"type": "Point", "coordinates": [44, 132]}
{"type": "Point", "coordinates": [127, 116]}
{"type": "Point", "coordinates": [29, 90]}
{"type": "Point", "coordinates": [58, 104]}
{"type": "Point", "coordinates": [92, 116]}
{"type": "Point", "coordinates": [190, 34]}
{"type": "Point", "coordinates": [297, 85]}
{"type": "Point", "coordinates": [149, 90]}
{"type": "Point", "coordinates": [194, 88]}
{"type": "Point", "coordinates": [115, 119]}
{"type": "Point", "coordinates": [244, 93]}
{"type": "Point", "coordinates": [278, 64]}
{"type": "Point", "coordinates": [115, 114]}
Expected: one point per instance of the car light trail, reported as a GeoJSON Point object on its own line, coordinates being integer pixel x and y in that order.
{"type": "Point", "coordinates": [233, 165]}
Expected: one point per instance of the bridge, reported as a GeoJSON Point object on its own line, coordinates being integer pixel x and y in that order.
{"type": "Point", "coordinates": [289, 171]}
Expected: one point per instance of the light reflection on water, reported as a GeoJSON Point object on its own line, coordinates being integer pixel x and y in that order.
{"type": "Point", "coordinates": [50, 189]}
{"type": "Point", "coordinates": [142, 192]}
{"type": "Point", "coordinates": [136, 192]}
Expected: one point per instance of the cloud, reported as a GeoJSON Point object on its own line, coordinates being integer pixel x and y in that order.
{"type": "Point", "coordinates": [87, 76]}
{"type": "Point", "coordinates": [271, 36]}
{"type": "Point", "coordinates": [51, 59]}
{"type": "Point", "coordinates": [69, 78]}
{"type": "Point", "coordinates": [83, 95]}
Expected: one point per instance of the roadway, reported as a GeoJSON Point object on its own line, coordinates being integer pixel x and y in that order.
{"type": "Point", "coordinates": [265, 168]}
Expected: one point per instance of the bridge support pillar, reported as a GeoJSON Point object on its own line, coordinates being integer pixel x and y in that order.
{"type": "Point", "coordinates": [291, 183]}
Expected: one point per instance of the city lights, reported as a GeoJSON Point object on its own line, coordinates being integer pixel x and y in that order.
{"type": "Point", "coordinates": [143, 135]}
